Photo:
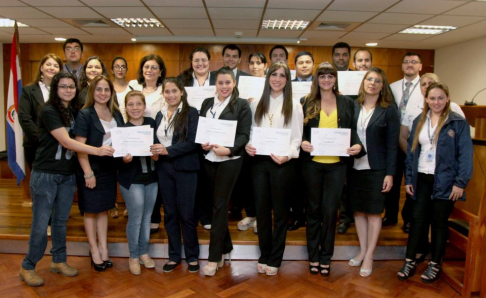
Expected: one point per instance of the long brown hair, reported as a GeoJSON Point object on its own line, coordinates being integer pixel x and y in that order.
{"type": "Point", "coordinates": [39, 76]}
{"type": "Point", "coordinates": [443, 116]}
{"type": "Point", "coordinates": [112, 105]}
{"type": "Point", "coordinates": [385, 98]}
{"type": "Point", "coordinates": [225, 70]}
{"type": "Point", "coordinates": [180, 121]}
{"type": "Point", "coordinates": [313, 99]}
{"type": "Point", "coordinates": [264, 104]}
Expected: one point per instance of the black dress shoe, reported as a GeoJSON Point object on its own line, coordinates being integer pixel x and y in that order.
{"type": "Point", "coordinates": [194, 268]}
{"type": "Point", "coordinates": [295, 225]}
{"type": "Point", "coordinates": [108, 264]}
{"type": "Point", "coordinates": [406, 227]}
{"type": "Point", "coordinates": [388, 222]}
{"type": "Point", "coordinates": [169, 267]}
{"type": "Point", "coordinates": [342, 227]}
{"type": "Point", "coordinates": [98, 267]}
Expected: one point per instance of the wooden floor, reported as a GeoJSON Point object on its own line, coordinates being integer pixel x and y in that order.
{"type": "Point", "coordinates": [238, 279]}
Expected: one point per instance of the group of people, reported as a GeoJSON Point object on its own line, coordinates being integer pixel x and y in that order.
{"type": "Point", "coordinates": [68, 117]}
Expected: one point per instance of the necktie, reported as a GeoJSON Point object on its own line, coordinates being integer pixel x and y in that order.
{"type": "Point", "coordinates": [405, 97]}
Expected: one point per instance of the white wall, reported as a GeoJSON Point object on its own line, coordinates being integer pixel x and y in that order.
{"type": "Point", "coordinates": [462, 67]}
{"type": "Point", "coordinates": [3, 137]}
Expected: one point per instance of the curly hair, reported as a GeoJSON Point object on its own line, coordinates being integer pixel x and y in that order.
{"type": "Point", "coordinates": [55, 101]}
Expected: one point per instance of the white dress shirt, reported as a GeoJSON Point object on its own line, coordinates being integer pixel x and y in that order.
{"type": "Point", "coordinates": [45, 91]}
{"type": "Point", "coordinates": [196, 83]}
{"type": "Point", "coordinates": [426, 162]}
{"type": "Point", "coordinates": [154, 102]}
{"type": "Point", "coordinates": [364, 118]}
{"type": "Point", "coordinates": [166, 127]}
{"type": "Point", "coordinates": [416, 98]}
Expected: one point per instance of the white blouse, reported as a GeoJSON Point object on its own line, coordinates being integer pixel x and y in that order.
{"type": "Point", "coordinates": [108, 126]}
{"type": "Point", "coordinates": [363, 121]}
{"type": "Point", "coordinates": [426, 162]}
{"type": "Point", "coordinates": [120, 96]}
{"type": "Point", "coordinates": [166, 127]}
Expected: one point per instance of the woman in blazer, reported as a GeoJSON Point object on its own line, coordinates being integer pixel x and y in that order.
{"type": "Point", "coordinates": [198, 74]}
{"type": "Point", "coordinates": [93, 67]}
{"type": "Point", "coordinates": [377, 124]}
{"type": "Point", "coordinates": [223, 164]}
{"type": "Point", "coordinates": [324, 176]}
{"type": "Point", "coordinates": [438, 167]}
{"type": "Point", "coordinates": [177, 166]}
{"type": "Point", "coordinates": [273, 175]}
{"type": "Point", "coordinates": [96, 176]}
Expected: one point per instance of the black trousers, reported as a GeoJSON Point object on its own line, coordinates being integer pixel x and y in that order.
{"type": "Point", "coordinates": [204, 197]}
{"type": "Point", "coordinates": [298, 193]}
{"type": "Point", "coordinates": [222, 178]}
{"type": "Point", "coordinates": [324, 185]}
{"type": "Point", "coordinates": [29, 153]}
{"type": "Point", "coordinates": [392, 202]}
{"type": "Point", "coordinates": [243, 196]}
{"type": "Point", "coordinates": [425, 209]}
{"type": "Point", "coordinates": [178, 191]}
{"type": "Point", "coordinates": [272, 185]}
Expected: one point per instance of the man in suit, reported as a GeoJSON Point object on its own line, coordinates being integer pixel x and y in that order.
{"type": "Point", "coordinates": [231, 58]}
{"type": "Point", "coordinates": [341, 52]}
{"type": "Point", "coordinates": [279, 53]}
{"type": "Point", "coordinates": [304, 66]}
{"type": "Point", "coordinates": [73, 51]}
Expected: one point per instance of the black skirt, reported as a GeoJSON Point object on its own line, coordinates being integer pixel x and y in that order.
{"type": "Point", "coordinates": [102, 197]}
{"type": "Point", "coordinates": [364, 191]}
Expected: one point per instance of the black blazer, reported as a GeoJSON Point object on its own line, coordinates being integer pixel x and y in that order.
{"type": "Point", "coordinates": [382, 137]}
{"type": "Point", "coordinates": [239, 73]}
{"type": "Point", "coordinates": [183, 154]}
{"type": "Point", "coordinates": [88, 125]}
{"type": "Point", "coordinates": [190, 83]}
{"type": "Point", "coordinates": [241, 112]}
{"type": "Point", "coordinates": [30, 100]}
{"type": "Point", "coordinates": [297, 80]}
{"type": "Point", "coordinates": [345, 115]}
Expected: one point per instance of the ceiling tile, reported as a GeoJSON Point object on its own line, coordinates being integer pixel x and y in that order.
{"type": "Point", "coordinates": [180, 12]}
{"type": "Point", "coordinates": [59, 3]}
{"type": "Point", "coordinates": [25, 31]}
{"type": "Point", "coordinates": [231, 14]}
{"type": "Point", "coordinates": [187, 23]}
{"type": "Point", "coordinates": [470, 9]}
{"type": "Point", "coordinates": [364, 35]}
{"type": "Point", "coordinates": [184, 3]}
{"type": "Point", "coordinates": [407, 37]}
{"type": "Point", "coordinates": [460, 35]}
{"type": "Point", "coordinates": [380, 28]}
{"type": "Point", "coordinates": [360, 5]}
{"type": "Point", "coordinates": [44, 23]}
{"type": "Point", "coordinates": [6, 3]}
{"type": "Point", "coordinates": [116, 3]}
{"type": "Point", "coordinates": [124, 12]}
{"type": "Point", "coordinates": [426, 7]}
{"type": "Point", "coordinates": [291, 14]}
{"type": "Point", "coordinates": [193, 32]}
{"type": "Point", "coordinates": [400, 18]}
{"type": "Point", "coordinates": [280, 33]}
{"type": "Point", "coordinates": [456, 21]}
{"type": "Point", "coordinates": [149, 31]}
{"type": "Point", "coordinates": [71, 12]}
{"type": "Point", "coordinates": [345, 16]}
{"type": "Point", "coordinates": [106, 31]}
{"type": "Point", "coordinates": [64, 31]}
{"type": "Point", "coordinates": [231, 32]}
{"type": "Point", "coordinates": [105, 38]}
{"type": "Point", "coordinates": [22, 12]}
{"type": "Point", "coordinates": [236, 24]}
{"type": "Point", "coordinates": [300, 4]}
{"type": "Point", "coordinates": [322, 34]}
{"type": "Point", "coordinates": [236, 3]}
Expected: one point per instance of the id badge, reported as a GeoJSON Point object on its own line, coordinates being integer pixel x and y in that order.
{"type": "Point", "coordinates": [430, 156]}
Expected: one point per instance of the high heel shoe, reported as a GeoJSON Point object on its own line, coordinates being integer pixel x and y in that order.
{"type": "Point", "coordinates": [365, 272]}
{"type": "Point", "coordinates": [210, 270]}
{"type": "Point", "coordinates": [355, 263]}
{"type": "Point", "coordinates": [108, 264]}
{"type": "Point", "coordinates": [98, 267]}
{"type": "Point", "coordinates": [325, 271]}
{"type": "Point", "coordinates": [269, 271]}
{"type": "Point", "coordinates": [261, 267]}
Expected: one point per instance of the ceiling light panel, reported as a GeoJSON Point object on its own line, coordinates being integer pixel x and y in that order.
{"type": "Point", "coordinates": [138, 23]}
{"type": "Point", "coordinates": [284, 25]}
{"type": "Point", "coordinates": [8, 23]}
{"type": "Point", "coordinates": [426, 29]}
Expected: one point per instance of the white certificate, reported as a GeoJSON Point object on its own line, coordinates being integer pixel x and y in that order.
{"type": "Point", "coordinates": [251, 87]}
{"type": "Point", "coordinates": [135, 140]}
{"type": "Point", "coordinates": [300, 89]}
{"type": "Point", "coordinates": [271, 141]}
{"type": "Point", "coordinates": [350, 81]}
{"type": "Point", "coordinates": [196, 95]}
{"type": "Point", "coordinates": [215, 131]}
{"type": "Point", "coordinates": [330, 141]}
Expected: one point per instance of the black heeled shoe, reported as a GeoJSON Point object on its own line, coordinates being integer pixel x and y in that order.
{"type": "Point", "coordinates": [108, 264]}
{"type": "Point", "coordinates": [325, 271]}
{"type": "Point", "coordinates": [432, 273]}
{"type": "Point", "coordinates": [314, 269]}
{"type": "Point", "coordinates": [98, 267]}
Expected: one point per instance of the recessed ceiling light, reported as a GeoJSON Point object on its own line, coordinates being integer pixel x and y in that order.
{"type": "Point", "coordinates": [138, 23]}
{"type": "Point", "coordinates": [427, 29]}
{"type": "Point", "coordinates": [60, 39]}
{"type": "Point", "coordinates": [134, 39]}
{"type": "Point", "coordinates": [6, 23]}
{"type": "Point", "coordinates": [372, 44]}
{"type": "Point", "coordinates": [284, 25]}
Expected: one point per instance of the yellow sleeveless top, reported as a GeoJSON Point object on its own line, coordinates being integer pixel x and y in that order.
{"type": "Point", "coordinates": [327, 122]}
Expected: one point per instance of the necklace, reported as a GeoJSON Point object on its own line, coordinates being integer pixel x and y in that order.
{"type": "Point", "coordinates": [270, 116]}
{"type": "Point", "coordinates": [149, 91]}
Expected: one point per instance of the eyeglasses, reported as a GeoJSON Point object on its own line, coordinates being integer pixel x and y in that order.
{"type": "Point", "coordinates": [377, 81]}
{"type": "Point", "coordinates": [75, 49]}
{"type": "Point", "coordinates": [118, 67]}
{"type": "Point", "coordinates": [411, 62]}
{"type": "Point", "coordinates": [203, 61]}
{"type": "Point", "coordinates": [64, 87]}
{"type": "Point", "coordinates": [153, 67]}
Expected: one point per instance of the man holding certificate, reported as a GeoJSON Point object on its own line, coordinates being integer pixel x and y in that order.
{"type": "Point", "coordinates": [275, 139]}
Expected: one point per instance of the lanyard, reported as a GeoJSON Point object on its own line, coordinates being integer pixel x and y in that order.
{"type": "Point", "coordinates": [431, 138]}
{"type": "Point", "coordinates": [169, 122]}
{"type": "Point", "coordinates": [403, 88]}
{"type": "Point", "coordinates": [216, 109]}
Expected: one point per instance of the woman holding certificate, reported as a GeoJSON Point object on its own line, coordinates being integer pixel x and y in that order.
{"type": "Point", "coordinates": [438, 167]}
{"type": "Point", "coordinates": [324, 176]}
{"type": "Point", "coordinates": [377, 122]}
{"type": "Point", "coordinates": [138, 185]}
{"type": "Point", "coordinates": [96, 176]}
{"type": "Point", "coordinates": [222, 164]}
{"type": "Point", "coordinates": [273, 174]}
{"type": "Point", "coordinates": [177, 168]}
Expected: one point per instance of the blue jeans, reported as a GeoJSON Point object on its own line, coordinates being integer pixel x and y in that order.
{"type": "Point", "coordinates": [140, 201]}
{"type": "Point", "coordinates": [49, 192]}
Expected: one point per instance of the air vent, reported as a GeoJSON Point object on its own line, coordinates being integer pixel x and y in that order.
{"type": "Point", "coordinates": [91, 23]}
{"type": "Point", "coordinates": [330, 26]}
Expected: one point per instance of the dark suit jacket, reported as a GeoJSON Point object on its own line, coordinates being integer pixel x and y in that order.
{"type": "Point", "coordinates": [190, 83]}
{"type": "Point", "coordinates": [345, 115]}
{"type": "Point", "coordinates": [239, 73]}
{"type": "Point", "coordinates": [238, 110]}
{"type": "Point", "coordinates": [30, 100]}
{"type": "Point", "coordinates": [297, 80]}
{"type": "Point", "coordinates": [183, 154]}
{"type": "Point", "coordinates": [88, 125]}
{"type": "Point", "coordinates": [381, 137]}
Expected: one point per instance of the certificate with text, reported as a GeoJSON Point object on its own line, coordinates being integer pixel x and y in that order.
{"type": "Point", "coordinates": [300, 89]}
{"type": "Point", "coordinates": [330, 141]}
{"type": "Point", "coordinates": [196, 95]}
{"type": "Point", "coordinates": [271, 141]}
{"type": "Point", "coordinates": [251, 87]}
{"type": "Point", "coordinates": [135, 140]}
{"type": "Point", "coordinates": [215, 131]}
{"type": "Point", "coordinates": [350, 81]}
